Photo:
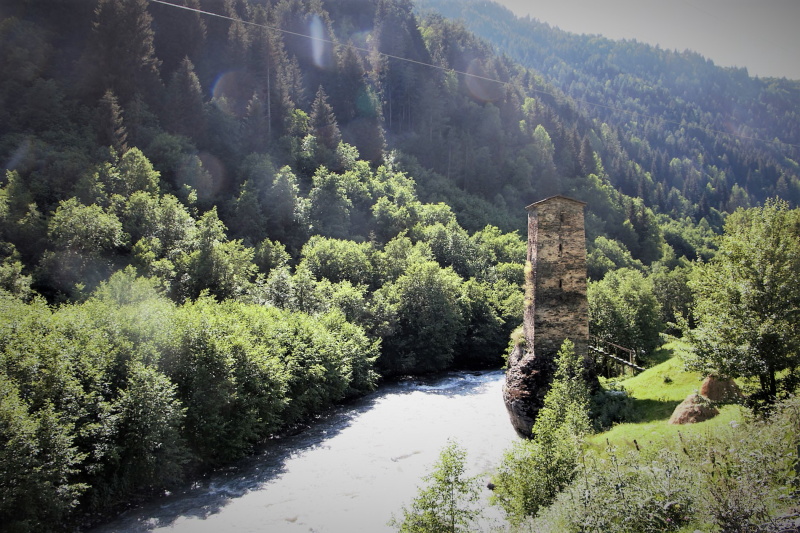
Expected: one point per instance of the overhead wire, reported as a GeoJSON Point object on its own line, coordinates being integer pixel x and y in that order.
{"type": "Point", "coordinates": [464, 73]}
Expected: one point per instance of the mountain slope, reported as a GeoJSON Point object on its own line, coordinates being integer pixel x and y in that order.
{"type": "Point", "coordinates": [715, 135]}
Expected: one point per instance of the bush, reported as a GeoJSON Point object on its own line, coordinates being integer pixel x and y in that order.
{"type": "Point", "coordinates": [740, 479]}
{"type": "Point", "coordinates": [631, 493]}
{"type": "Point", "coordinates": [611, 405]}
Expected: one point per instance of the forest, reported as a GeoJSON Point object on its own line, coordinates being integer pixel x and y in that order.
{"type": "Point", "coordinates": [218, 218]}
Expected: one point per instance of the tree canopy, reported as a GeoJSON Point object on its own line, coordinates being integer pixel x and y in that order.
{"type": "Point", "coordinates": [748, 298]}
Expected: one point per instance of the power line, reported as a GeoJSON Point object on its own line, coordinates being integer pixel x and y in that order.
{"type": "Point", "coordinates": [463, 73]}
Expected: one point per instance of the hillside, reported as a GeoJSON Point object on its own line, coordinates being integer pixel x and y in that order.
{"type": "Point", "coordinates": [218, 218]}
{"type": "Point", "coordinates": [710, 136]}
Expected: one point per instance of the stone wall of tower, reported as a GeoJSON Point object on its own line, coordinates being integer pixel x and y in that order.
{"type": "Point", "coordinates": [556, 276]}
{"type": "Point", "coordinates": [555, 305]}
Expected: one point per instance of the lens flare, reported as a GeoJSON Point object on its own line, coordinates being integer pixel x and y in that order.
{"type": "Point", "coordinates": [479, 84]}
{"type": "Point", "coordinates": [204, 173]}
{"type": "Point", "coordinates": [320, 49]}
{"type": "Point", "coordinates": [232, 91]}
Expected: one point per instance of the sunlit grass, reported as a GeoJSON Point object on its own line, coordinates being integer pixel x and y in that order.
{"type": "Point", "coordinates": [656, 392]}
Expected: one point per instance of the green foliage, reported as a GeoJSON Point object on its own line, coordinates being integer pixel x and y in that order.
{"type": "Point", "coordinates": [224, 268]}
{"type": "Point", "coordinates": [287, 213]}
{"type": "Point", "coordinates": [398, 255]}
{"type": "Point", "coordinates": [611, 405]}
{"type": "Point", "coordinates": [748, 298]}
{"type": "Point", "coordinates": [84, 238]}
{"type": "Point", "coordinates": [120, 53]}
{"type": "Point", "coordinates": [322, 122]}
{"type": "Point", "coordinates": [330, 204]}
{"type": "Point", "coordinates": [415, 262]}
{"type": "Point", "coordinates": [448, 503]}
{"type": "Point", "coordinates": [39, 461]}
{"type": "Point", "coordinates": [606, 255]}
{"type": "Point", "coordinates": [737, 478]}
{"type": "Point", "coordinates": [633, 493]}
{"type": "Point", "coordinates": [87, 230]}
{"type": "Point", "coordinates": [149, 424]}
{"type": "Point", "coordinates": [671, 289]}
{"type": "Point", "coordinates": [12, 279]}
{"type": "Point", "coordinates": [533, 472]}
{"type": "Point", "coordinates": [339, 260]}
{"type": "Point", "coordinates": [234, 393]}
{"type": "Point", "coordinates": [110, 127]}
{"type": "Point", "coordinates": [424, 318]}
{"type": "Point", "coordinates": [689, 240]}
{"type": "Point", "coordinates": [269, 255]}
{"type": "Point", "coordinates": [452, 247]}
{"type": "Point", "coordinates": [624, 310]}
{"type": "Point", "coordinates": [184, 110]}
{"type": "Point", "coordinates": [124, 393]}
{"type": "Point", "coordinates": [488, 322]}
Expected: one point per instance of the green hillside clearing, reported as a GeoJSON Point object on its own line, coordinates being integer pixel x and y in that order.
{"type": "Point", "coordinates": [656, 392]}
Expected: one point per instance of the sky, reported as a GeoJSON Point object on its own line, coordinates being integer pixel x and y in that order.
{"type": "Point", "coordinates": [761, 35]}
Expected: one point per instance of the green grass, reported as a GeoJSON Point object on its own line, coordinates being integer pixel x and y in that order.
{"type": "Point", "coordinates": [656, 392]}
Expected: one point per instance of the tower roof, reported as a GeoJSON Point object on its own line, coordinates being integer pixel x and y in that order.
{"type": "Point", "coordinates": [554, 198]}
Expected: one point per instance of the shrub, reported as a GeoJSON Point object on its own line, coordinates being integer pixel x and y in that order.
{"type": "Point", "coordinates": [611, 405]}
{"type": "Point", "coordinates": [632, 493]}
{"type": "Point", "coordinates": [738, 479]}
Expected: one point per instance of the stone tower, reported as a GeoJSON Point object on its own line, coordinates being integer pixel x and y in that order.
{"type": "Point", "coordinates": [555, 309]}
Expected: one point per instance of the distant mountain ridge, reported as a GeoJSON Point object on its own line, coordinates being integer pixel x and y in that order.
{"type": "Point", "coordinates": [667, 105]}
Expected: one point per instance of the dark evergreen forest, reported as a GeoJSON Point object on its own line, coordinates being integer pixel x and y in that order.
{"type": "Point", "coordinates": [217, 222]}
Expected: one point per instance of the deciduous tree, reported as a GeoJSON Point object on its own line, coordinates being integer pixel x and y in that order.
{"type": "Point", "coordinates": [748, 298]}
{"type": "Point", "coordinates": [449, 502]}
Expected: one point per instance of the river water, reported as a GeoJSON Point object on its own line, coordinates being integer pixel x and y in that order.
{"type": "Point", "coordinates": [351, 470]}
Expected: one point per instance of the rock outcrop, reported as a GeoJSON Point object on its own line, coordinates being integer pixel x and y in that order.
{"type": "Point", "coordinates": [527, 380]}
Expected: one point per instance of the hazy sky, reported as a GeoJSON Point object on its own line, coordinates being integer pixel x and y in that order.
{"type": "Point", "coordinates": [762, 35]}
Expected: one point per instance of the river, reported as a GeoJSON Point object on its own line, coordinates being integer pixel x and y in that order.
{"type": "Point", "coordinates": [350, 470]}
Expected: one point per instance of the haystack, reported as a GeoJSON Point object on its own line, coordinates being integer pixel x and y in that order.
{"type": "Point", "coordinates": [693, 409]}
{"type": "Point", "coordinates": [720, 390]}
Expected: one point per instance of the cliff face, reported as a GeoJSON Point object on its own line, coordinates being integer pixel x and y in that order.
{"type": "Point", "coordinates": [556, 307]}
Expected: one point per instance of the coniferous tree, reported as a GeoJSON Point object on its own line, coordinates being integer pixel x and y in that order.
{"type": "Point", "coordinates": [110, 127]}
{"type": "Point", "coordinates": [238, 34]}
{"type": "Point", "coordinates": [185, 111]}
{"type": "Point", "coordinates": [277, 76]}
{"type": "Point", "coordinates": [179, 33]}
{"type": "Point", "coordinates": [322, 123]}
{"type": "Point", "coordinates": [256, 127]}
{"type": "Point", "coordinates": [121, 55]}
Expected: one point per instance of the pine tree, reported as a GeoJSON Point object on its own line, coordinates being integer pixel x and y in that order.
{"type": "Point", "coordinates": [256, 127]}
{"type": "Point", "coordinates": [179, 33]}
{"type": "Point", "coordinates": [185, 111]}
{"type": "Point", "coordinates": [121, 55]}
{"type": "Point", "coordinates": [323, 123]}
{"type": "Point", "coordinates": [110, 127]}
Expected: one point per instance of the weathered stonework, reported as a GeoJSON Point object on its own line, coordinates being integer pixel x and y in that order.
{"type": "Point", "coordinates": [556, 307]}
